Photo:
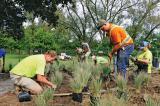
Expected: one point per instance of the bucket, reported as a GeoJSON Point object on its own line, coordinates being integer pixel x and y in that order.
{"type": "Point", "coordinates": [77, 97]}
{"type": "Point", "coordinates": [24, 96]}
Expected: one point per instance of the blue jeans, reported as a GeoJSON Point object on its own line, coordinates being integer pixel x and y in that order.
{"type": "Point", "coordinates": [123, 58]}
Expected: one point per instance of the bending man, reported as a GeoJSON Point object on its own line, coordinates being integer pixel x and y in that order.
{"type": "Point", "coordinates": [123, 44]}
{"type": "Point", "coordinates": [33, 67]}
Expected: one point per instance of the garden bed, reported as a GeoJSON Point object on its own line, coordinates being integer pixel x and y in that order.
{"type": "Point", "coordinates": [152, 90]}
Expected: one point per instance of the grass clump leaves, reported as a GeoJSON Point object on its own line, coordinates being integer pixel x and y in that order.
{"type": "Point", "coordinates": [44, 97]}
{"type": "Point", "coordinates": [141, 80]}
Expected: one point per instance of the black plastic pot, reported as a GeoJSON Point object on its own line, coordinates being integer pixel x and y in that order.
{"type": "Point", "coordinates": [155, 62]}
{"type": "Point", "coordinates": [95, 101]}
{"type": "Point", "coordinates": [77, 97]}
{"type": "Point", "coordinates": [85, 89]}
{"type": "Point", "coordinates": [24, 96]}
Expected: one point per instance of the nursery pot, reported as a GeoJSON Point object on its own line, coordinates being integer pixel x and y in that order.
{"type": "Point", "coordinates": [77, 97]}
{"type": "Point", "coordinates": [94, 100]}
{"type": "Point", "coordinates": [85, 89]}
{"type": "Point", "coordinates": [155, 62]}
{"type": "Point", "coordinates": [24, 96]}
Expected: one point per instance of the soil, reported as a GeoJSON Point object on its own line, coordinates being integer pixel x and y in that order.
{"type": "Point", "coordinates": [9, 98]}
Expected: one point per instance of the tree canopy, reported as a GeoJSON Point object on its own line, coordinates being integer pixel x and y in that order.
{"type": "Point", "coordinates": [13, 13]}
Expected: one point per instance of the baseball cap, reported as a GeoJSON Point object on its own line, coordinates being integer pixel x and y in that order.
{"type": "Point", "coordinates": [101, 23]}
{"type": "Point", "coordinates": [143, 44]}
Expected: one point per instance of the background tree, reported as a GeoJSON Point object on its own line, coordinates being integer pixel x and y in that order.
{"type": "Point", "coordinates": [134, 15]}
{"type": "Point", "coordinates": [13, 13]}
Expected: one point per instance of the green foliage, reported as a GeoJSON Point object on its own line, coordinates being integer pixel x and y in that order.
{"type": "Point", "coordinates": [7, 42]}
{"type": "Point", "coordinates": [94, 101]}
{"type": "Point", "coordinates": [41, 39]}
{"type": "Point", "coordinates": [155, 45]}
{"type": "Point", "coordinates": [104, 46]}
{"type": "Point", "coordinates": [151, 102]}
{"type": "Point", "coordinates": [13, 17]}
{"type": "Point", "coordinates": [11, 60]}
{"type": "Point", "coordinates": [95, 87]}
{"type": "Point", "coordinates": [96, 70]}
{"type": "Point", "coordinates": [48, 94]}
{"type": "Point", "coordinates": [57, 78]}
{"type": "Point", "coordinates": [112, 100]}
{"type": "Point", "coordinates": [76, 85]}
{"type": "Point", "coordinates": [42, 99]}
{"type": "Point", "coordinates": [140, 80]}
{"type": "Point", "coordinates": [121, 84]}
{"type": "Point", "coordinates": [122, 88]}
{"type": "Point", "coordinates": [81, 76]}
{"type": "Point", "coordinates": [10, 66]}
{"type": "Point", "coordinates": [70, 65]}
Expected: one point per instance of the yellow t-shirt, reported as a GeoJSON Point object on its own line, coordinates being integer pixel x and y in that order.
{"type": "Point", "coordinates": [147, 55]}
{"type": "Point", "coordinates": [30, 66]}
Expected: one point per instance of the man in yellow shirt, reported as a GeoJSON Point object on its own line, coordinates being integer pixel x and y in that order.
{"type": "Point", "coordinates": [144, 58]}
{"type": "Point", "coordinates": [33, 67]}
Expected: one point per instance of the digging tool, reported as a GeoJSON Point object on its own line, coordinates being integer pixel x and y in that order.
{"type": "Point", "coordinates": [84, 93]}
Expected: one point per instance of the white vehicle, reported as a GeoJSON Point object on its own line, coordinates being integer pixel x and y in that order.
{"type": "Point", "coordinates": [64, 56]}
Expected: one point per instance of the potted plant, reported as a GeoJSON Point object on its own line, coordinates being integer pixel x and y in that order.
{"type": "Point", "coordinates": [95, 87]}
{"type": "Point", "coordinates": [77, 87]}
{"type": "Point", "coordinates": [80, 79]}
{"type": "Point", "coordinates": [86, 74]}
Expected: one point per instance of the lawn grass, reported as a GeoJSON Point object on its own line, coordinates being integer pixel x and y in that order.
{"type": "Point", "coordinates": [11, 60]}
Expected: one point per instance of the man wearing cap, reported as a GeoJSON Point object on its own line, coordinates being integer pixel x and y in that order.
{"type": "Point", "coordinates": [83, 52]}
{"type": "Point", "coordinates": [31, 67]}
{"type": "Point", "coordinates": [123, 43]}
{"type": "Point", "coordinates": [86, 49]}
{"type": "Point", "coordinates": [144, 58]}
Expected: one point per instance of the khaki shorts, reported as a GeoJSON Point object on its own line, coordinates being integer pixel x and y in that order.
{"type": "Point", "coordinates": [27, 83]}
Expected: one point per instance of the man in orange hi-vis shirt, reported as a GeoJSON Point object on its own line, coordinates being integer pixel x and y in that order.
{"type": "Point", "coordinates": [123, 44]}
